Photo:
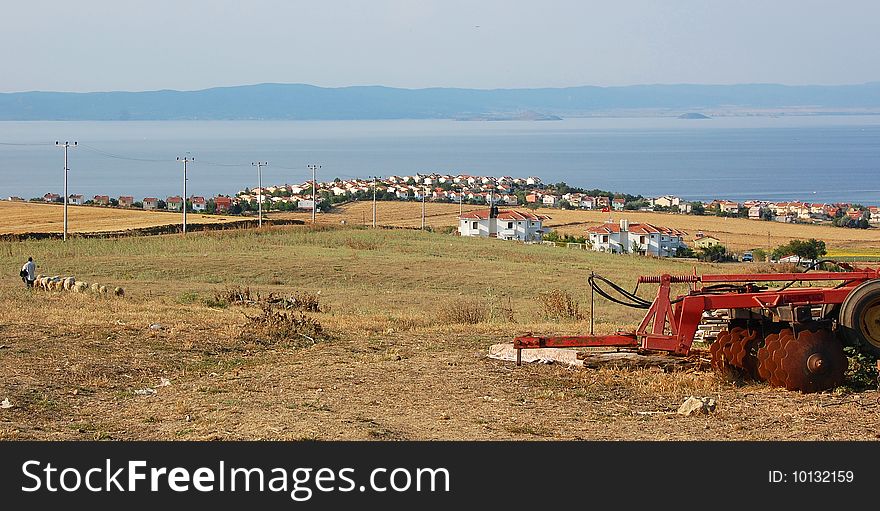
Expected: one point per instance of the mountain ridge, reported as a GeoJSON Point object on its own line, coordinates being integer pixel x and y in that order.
{"type": "Point", "coordinates": [279, 101]}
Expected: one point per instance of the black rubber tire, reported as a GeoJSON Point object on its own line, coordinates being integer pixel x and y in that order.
{"type": "Point", "coordinates": [861, 304]}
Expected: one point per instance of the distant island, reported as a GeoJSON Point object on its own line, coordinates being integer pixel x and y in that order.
{"type": "Point", "coordinates": [693, 115]}
{"type": "Point", "coordinates": [278, 101]}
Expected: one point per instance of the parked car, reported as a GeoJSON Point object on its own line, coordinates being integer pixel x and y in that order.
{"type": "Point", "coordinates": [747, 257]}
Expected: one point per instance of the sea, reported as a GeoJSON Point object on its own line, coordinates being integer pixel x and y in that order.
{"type": "Point", "coordinates": [820, 158]}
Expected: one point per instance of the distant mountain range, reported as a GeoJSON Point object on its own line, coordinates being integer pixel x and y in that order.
{"type": "Point", "coordinates": [297, 101]}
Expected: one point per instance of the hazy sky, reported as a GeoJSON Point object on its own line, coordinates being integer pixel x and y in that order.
{"type": "Point", "coordinates": [92, 45]}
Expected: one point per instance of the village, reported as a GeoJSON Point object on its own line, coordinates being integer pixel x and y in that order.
{"type": "Point", "coordinates": [496, 193]}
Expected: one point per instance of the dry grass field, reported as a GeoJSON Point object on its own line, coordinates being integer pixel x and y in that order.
{"type": "Point", "coordinates": [406, 318]}
{"type": "Point", "coordinates": [737, 234]}
{"type": "Point", "coordinates": [27, 217]}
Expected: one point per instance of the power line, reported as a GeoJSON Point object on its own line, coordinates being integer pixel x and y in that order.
{"type": "Point", "coordinates": [121, 157]}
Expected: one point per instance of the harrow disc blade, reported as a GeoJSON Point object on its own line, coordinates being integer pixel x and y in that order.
{"type": "Point", "coordinates": [733, 352]}
{"type": "Point", "coordinates": [813, 362]}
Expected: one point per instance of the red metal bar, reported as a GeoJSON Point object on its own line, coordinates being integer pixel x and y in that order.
{"type": "Point", "coordinates": [770, 277]}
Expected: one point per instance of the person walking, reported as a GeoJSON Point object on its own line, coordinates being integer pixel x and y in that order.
{"type": "Point", "coordinates": [28, 272]}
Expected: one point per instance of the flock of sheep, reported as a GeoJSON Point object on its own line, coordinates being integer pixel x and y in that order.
{"type": "Point", "coordinates": [57, 283]}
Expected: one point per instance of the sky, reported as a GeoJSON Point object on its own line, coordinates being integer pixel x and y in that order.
{"type": "Point", "coordinates": [104, 45]}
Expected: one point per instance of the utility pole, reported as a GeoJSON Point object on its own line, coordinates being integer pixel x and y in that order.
{"type": "Point", "coordinates": [260, 165]}
{"type": "Point", "coordinates": [374, 200]}
{"type": "Point", "coordinates": [185, 160]}
{"type": "Point", "coordinates": [460, 203]}
{"type": "Point", "coordinates": [314, 168]}
{"type": "Point", "coordinates": [424, 195]}
{"type": "Point", "coordinates": [65, 145]}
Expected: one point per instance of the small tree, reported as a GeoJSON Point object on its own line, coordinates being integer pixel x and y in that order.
{"type": "Point", "coordinates": [697, 208]}
{"type": "Point", "coordinates": [714, 254]}
{"type": "Point", "coordinates": [810, 249]}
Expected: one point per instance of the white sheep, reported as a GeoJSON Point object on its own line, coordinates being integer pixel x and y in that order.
{"type": "Point", "coordinates": [80, 287]}
{"type": "Point", "coordinates": [103, 290]}
{"type": "Point", "coordinates": [68, 283]}
{"type": "Point", "coordinates": [96, 288]}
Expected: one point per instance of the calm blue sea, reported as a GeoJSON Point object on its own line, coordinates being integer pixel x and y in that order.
{"type": "Point", "coordinates": [816, 158]}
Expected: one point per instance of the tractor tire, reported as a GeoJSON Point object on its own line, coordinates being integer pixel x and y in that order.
{"type": "Point", "coordinates": [859, 319]}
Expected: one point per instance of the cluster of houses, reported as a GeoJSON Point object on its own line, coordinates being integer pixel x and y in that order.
{"type": "Point", "coordinates": [434, 187]}
{"type": "Point", "coordinates": [799, 211]}
{"type": "Point", "coordinates": [614, 237]}
{"type": "Point", "coordinates": [174, 203]}
{"type": "Point", "coordinates": [504, 191]}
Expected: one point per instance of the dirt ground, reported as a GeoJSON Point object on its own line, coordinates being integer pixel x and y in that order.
{"type": "Point", "coordinates": [110, 376]}
{"type": "Point", "coordinates": [392, 362]}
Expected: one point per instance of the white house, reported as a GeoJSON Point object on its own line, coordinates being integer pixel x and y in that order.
{"type": "Point", "coordinates": [550, 200]}
{"type": "Point", "coordinates": [198, 203]}
{"type": "Point", "coordinates": [666, 201]}
{"type": "Point", "coordinates": [507, 224]}
{"type": "Point", "coordinates": [75, 200]}
{"type": "Point", "coordinates": [625, 238]}
{"type": "Point", "coordinates": [308, 204]}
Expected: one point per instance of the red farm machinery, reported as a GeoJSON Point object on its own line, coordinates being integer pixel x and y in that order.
{"type": "Point", "coordinates": [790, 336]}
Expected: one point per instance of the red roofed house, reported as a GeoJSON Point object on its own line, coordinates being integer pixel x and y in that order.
{"type": "Point", "coordinates": [222, 204]}
{"type": "Point", "coordinates": [151, 203]}
{"type": "Point", "coordinates": [625, 238]}
{"type": "Point", "coordinates": [198, 203]}
{"type": "Point", "coordinates": [102, 200]}
{"type": "Point", "coordinates": [506, 224]}
{"type": "Point", "coordinates": [125, 201]}
{"type": "Point", "coordinates": [174, 203]}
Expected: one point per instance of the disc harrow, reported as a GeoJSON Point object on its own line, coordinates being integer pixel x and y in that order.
{"type": "Point", "coordinates": [734, 352]}
{"type": "Point", "coordinates": [787, 344]}
{"type": "Point", "coordinates": [812, 361]}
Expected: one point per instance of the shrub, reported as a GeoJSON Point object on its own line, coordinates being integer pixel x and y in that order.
{"type": "Point", "coordinates": [559, 305]}
{"type": "Point", "coordinates": [273, 326]}
{"type": "Point", "coordinates": [235, 295]}
{"type": "Point", "coordinates": [305, 302]}
{"type": "Point", "coordinates": [464, 312]}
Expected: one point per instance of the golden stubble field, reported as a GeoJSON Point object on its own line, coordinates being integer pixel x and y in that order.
{"type": "Point", "coordinates": [27, 217]}
{"type": "Point", "coordinates": [395, 360]}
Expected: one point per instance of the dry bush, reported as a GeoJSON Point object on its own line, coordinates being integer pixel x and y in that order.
{"type": "Point", "coordinates": [464, 312]}
{"type": "Point", "coordinates": [273, 326]}
{"type": "Point", "coordinates": [235, 295]}
{"type": "Point", "coordinates": [501, 311]}
{"type": "Point", "coordinates": [559, 305]}
{"type": "Point", "coordinates": [299, 301]}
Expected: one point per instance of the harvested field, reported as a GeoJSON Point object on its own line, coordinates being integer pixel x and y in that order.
{"type": "Point", "coordinates": [28, 217]}
{"type": "Point", "coordinates": [171, 360]}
